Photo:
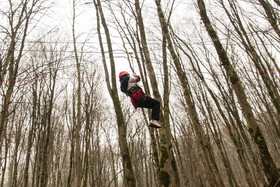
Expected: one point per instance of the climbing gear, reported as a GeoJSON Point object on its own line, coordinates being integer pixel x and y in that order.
{"type": "Point", "coordinates": [137, 94]}
{"type": "Point", "coordinates": [123, 73]}
{"type": "Point", "coordinates": [155, 124]}
{"type": "Point", "coordinates": [124, 78]}
{"type": "Point", "coordinates": [138, 97]}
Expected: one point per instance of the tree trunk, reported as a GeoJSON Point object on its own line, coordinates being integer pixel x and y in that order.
{"type": "Point", "coordinates": [271, 15]}
{"type": "Point", "coordinates": [272, 90]}
{"type": "Point", "coordinates": [127, 165]}
{"type": "Point", "coordinates": [12, 62]}
{"type": "Point", "coordinates": [206, 152]}
{"type": "Point", "coordinates": [168, 170]}
{"type": "Point", "coordinates": [270, 168]}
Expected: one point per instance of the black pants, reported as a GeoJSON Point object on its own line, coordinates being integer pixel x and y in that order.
{"type": "Point", "coordinates": [148, 102]}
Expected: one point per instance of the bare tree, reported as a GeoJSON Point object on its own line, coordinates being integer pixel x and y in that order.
{"type": "Point", "coordinates": [129, 178]}
{"type": "Point", "coordinates": [78, 117]}
{"type": "Point", "coordinates": [168, 170]}
{"type": "Point", "coordinates": [269, 166]}
{"type": "Point", "coordinates": [271, 15]}
{"type": "Point", "coordinates": [206, 151]}
{"type": "Point", "coordinates": [19, 17]}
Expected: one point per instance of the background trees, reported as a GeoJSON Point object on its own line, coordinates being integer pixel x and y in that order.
{"type": "Point", "coordinates": [214, 65]}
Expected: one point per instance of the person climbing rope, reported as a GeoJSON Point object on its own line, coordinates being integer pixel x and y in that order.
{"type": "Point", "coordinates": [138, 98]}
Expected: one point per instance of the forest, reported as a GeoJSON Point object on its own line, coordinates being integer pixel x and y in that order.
{"type": "Point", "coordinates": [212, 64]}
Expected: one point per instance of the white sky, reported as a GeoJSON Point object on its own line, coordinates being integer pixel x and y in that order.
{"type": "Point", "coordinates": [61, 17]}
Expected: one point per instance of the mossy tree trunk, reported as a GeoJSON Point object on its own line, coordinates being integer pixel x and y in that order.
{"type": "Point", "coordinates": [166, 109]}
{"type": "Point", "coordinates": [251, 51]}
{"type": "Point", "coordinates": [271, 15]}
{"type": "Point", "coordinates": [206, 152]}
{"type": "Point", "coordinates": [228, 121]}
{"type": "Point", "coordinates": [168, 174]}
{"type": "Point", "coordinates": [205, 149]}
{"type": "Point", "coordinates": [270, 168]}
{"type": "Point", "coordinates": [277, 2]}
{"type": "Point", "coordinates": [129, 177]}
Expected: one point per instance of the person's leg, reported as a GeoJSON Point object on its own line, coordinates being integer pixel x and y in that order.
{"type": "Point", "coordinates": [155, 110]}
{"type": "Point", "coordinates": [153, 104]}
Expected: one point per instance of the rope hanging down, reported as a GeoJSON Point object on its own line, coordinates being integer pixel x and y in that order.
{"type": "Point", "coordinates": [131, 64]}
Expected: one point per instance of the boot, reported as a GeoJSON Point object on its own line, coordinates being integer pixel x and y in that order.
{"type": "Point", "coordinates": [155, 124]}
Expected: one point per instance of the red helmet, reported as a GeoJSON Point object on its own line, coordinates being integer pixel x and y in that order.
{"type": "Point", "coordinates": [123, 73]}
